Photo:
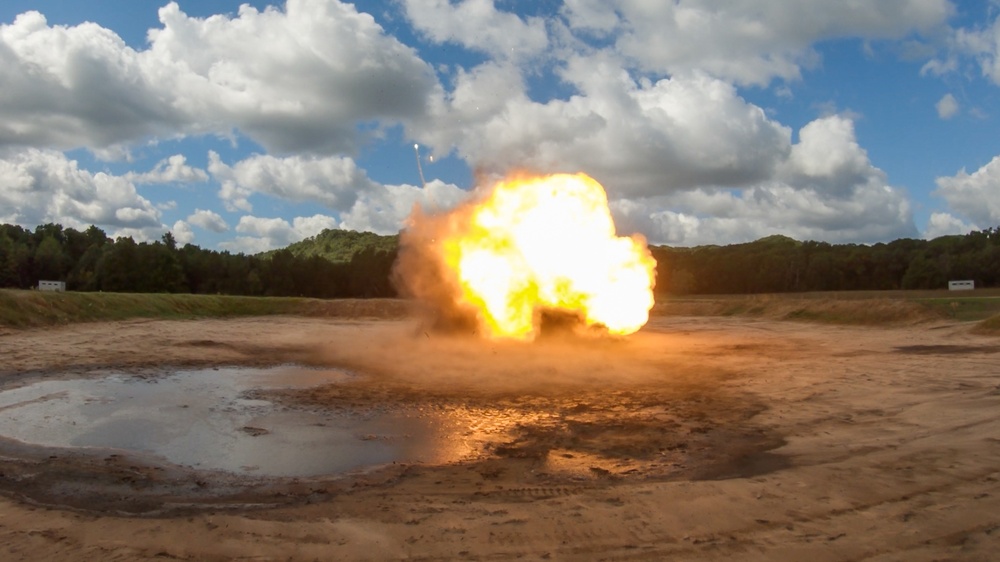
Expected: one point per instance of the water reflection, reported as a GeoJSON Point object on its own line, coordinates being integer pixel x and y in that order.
{"type": "Point", "coordinates": [207, 419]}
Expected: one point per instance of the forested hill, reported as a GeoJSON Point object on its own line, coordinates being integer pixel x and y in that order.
{"type": "Point", "coordinates": [341, 245]}
{"type": "Point", "coordinates": [778, 264]}
{"type": "Point", "coordinates": [91, 261]}
{"type": "Point", "coordinates": [338, 263]}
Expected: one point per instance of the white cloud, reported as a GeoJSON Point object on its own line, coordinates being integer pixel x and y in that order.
{"type": "Point", "coordinates": [826, 189]}
{"type": "Point", "coordinates": [478, 25]}
{"type": "Point", "coordinates": [943, 224]}
{"type": "Point", "coordinates": [298, 79]}
{"type": "Point", "coordinates": [979, 44]}
{"type": "Point", "coordinates": [874, 213]}
{"type": "Point", "coordinates": [828, 157]}
{"type": "Point", "coordinates": [754, 42]}
{"type": "Point", "coordinates": [170, 170]}
{"type": "Point", "coordinates": [208, 220]}
{"type": "Point", "coordinates": [263, 234]}
{"type": "Point", "coordinates": [41, 186]}
{"type": "Point", "coordinates": [947, 107]}
{"type": "Point", "coordinates": [975, 196]}
{"type": "Point", "coordinates": [939, 67]}
{"type": "Point", "coordinates": [182, 233]}
{"type": "Point", "coordinates": [984, 45]}
{"type": "Point", "coordinates": [333, 181]}
{"type": "Point", "coordinates": [383, 211]}
{"type": "Point", "coordinates": [637, 138]}
{"type": "Point", "coordinates": [598, 17]}
{"type": "Point", "coordinates": [744, 42]}
{"type": "Point", "coordinates": [75, 86]}
{"type": "Point", "coordinates": [685, 160]}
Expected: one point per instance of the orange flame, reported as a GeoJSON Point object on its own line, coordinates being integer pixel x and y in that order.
{"type": "Point", "coordinates": [544, 243]}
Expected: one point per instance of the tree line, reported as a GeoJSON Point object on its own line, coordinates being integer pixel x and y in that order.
{"type": "Point", "coordinates": [778, 264]}
{"type": "Point", "coordinates": [91, 261]}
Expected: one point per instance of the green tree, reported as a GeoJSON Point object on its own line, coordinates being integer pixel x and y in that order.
{"type": "Point", "coordinates": [169, 241]}
{"type": "Point", "coordinates": [924, 273]}
{"type": "Point", "coordinates": [117, 269]}
{"type": "Point", "coordinates": [49, 260]}
{"type": "Point", "coordinates": [8, 265]}
{"type": "Point", "coordinates": [159, 270]}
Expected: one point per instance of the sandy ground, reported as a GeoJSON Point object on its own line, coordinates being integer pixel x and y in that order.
{"type": "Point", "coordinates": [696, 439]}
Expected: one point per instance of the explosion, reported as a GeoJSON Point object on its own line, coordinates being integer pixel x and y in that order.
{"type": "Point", "coordinates": [525, 246]}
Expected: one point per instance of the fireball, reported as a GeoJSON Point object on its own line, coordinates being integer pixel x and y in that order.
{"type": "Point", "coordinates": [531, 244]}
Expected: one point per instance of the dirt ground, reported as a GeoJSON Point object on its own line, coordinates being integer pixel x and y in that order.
{"type": "Point", "coordinates": [695, 439]}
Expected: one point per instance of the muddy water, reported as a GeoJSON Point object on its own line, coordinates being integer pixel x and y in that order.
{"type": "Point", "coordinates": [205, 419]}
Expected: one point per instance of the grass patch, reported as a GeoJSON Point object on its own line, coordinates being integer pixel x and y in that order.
{"type": "Point", "coordinates": [870, 309]}
{"type": "Point", "coordinates": [26, 309]}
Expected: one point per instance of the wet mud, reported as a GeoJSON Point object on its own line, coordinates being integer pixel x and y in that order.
{"type": "Point", "coordinates": [545, 414]}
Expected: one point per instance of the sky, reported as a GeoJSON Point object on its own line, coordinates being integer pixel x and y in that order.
{"type": "Point", "coordinates": [246, 127]}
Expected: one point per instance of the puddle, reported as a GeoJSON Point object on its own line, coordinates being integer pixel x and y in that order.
{"type": "Point", "coordinates": [204, 420]}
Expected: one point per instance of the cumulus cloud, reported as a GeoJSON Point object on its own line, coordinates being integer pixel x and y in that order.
{"type": "Point", "coordinates": [826, 189]}
{"type": "Point", "coordinates": [639, 138]}
{"type": "Point", "coordinates": [334, 181]}
{"type": "Point", "coordinates": [975, 196]}
{"type": "Point", "coordinates": [709, 216]}
{"type": "Point", "coordinates": [597, 17]}
{"type": "Point", "coordinates": [68, 87]}
{"type": "Point", "coordinates": [170, 170]}
{"type": "Point", "coordinates": [947, 107]}
{"type": "Point", "coordinates": [208, 220]}
{"type": "Point", "coordinates": [754, 42]}
{"type": "Point", "coordinates": [263, 234]}
{"type": "Point", "coordinates": [828, 158]}
{"type": "Point", "coordinates": [298, 79]}
{"type": "Point", "coordinates": [478, 25]}
{"type": "Point", "coordinates": [182, 233]}
{"type": "Point", "coordinates": [41, 186]}
{"type": "Point", "coordinates": [384, 210]}
{"type": "Point", "coordinates": [742, 42]}
{"type": "Point", "coordinates": [685, 160]}
{"type": "Point", "coordinates": [943, 224]}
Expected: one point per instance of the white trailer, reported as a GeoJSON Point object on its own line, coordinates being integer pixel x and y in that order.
{"type": "Point", "coordinates": [51, 285]}
{"type": "Point", "coordinates": [965, 285]}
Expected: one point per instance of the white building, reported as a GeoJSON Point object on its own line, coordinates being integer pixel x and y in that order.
{"type": "Point", "coordinates": [961, 285]}
{"type": "Point", "coordinates": [51, 285]}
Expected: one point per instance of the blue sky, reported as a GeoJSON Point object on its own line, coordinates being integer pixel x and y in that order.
{"type": "Point", "coordinates": [248, 128]}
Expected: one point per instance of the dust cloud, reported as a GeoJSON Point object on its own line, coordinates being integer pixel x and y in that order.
{"type": "Point", "coordinates": [410, 355]}
{"type": "Point", "coordinates": [420, 272]}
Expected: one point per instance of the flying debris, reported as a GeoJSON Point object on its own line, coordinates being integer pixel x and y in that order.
{"type": "Point", "coordinates": [416, 151]}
